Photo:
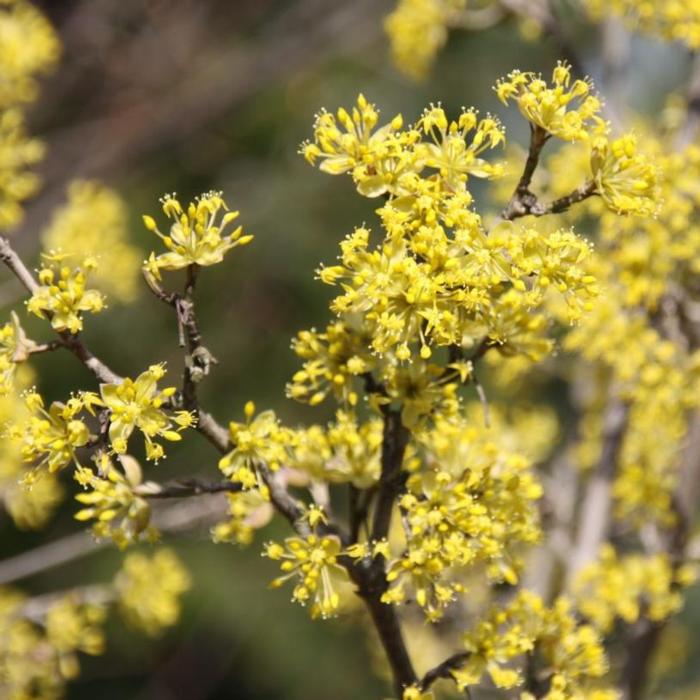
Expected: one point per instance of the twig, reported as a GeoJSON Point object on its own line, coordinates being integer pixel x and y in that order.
{"type": "Point", "coordinates": [443, 669]}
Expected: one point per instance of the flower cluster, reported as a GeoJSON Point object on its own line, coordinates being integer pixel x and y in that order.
{"type": "Point", "coordinates": [149, 590]}
{"type": "Point", "coordinates": [38, 653]}
{"type": "Point", "coordinates": [28, 48]}
{"type": "Point", "coordinates": [18, 153]}
{"type": "Point", "coordinates": [74, 230]}
{"type": "Point", "coordinates": [630, 586]}
{"type": "Point", "coordinates": [473, 504]}
{"type": "Point", "coordinates": [248, 511]}
{"type": "Point", "coordinates": [62, 296]}
{"type": "Point", "coordinates": [668, 19]}
{"type": "Point", "coordinates": [345, 451]}
{"type": "Point", "coordinates": [569, 111]}
{"type": "Point", "coordinates": [138, 403]}
{"type": "Point", "coordinates": [29, 508]}
{"type": "Point", "coordinates": [260, 440]}
{"type": "Point", "coordinates": [312, 562]}
{"type": "Point", "coordinates": [196, 236]}
{"type": "Point", "coordinates": [572, 653]}
{"type": "Point", "coordinates": [50, 438]}
{"type": "Point", "coordinates": [418, 29]}
{"type": "Point", "coordinates": [624, 179]}
{"type": "Point", "coordinates": [112, 498]}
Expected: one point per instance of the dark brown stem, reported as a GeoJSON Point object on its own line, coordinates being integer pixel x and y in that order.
{"type": "Point", "coordinates": [371, 584]}
{"type": "Point", "coordinates": [391, 480]}
{"type": "Point", "coordinates": [443, 670]}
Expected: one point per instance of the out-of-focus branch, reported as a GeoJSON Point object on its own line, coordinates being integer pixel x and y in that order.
{"type": "Point", "coordinates": [35, 609]}
{"type": "Point", "coordinates": [173, 519]}
{"type": "Point", "coordinates": [596, 509]}
{"type": "Point", "coordinates": [689, 130]}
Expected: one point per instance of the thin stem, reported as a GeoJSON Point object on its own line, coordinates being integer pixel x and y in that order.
{"type": "Point", "coordinates": [443, 669]}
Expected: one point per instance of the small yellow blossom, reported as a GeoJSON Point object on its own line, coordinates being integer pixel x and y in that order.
{"type": "Point", "coordinates": [112, 499]}
{"type": "Point", "coordinates": [138, 403]}
{"type": "Point", "coordinates": [624, 178]}
{"type": "Point", "coordinates": [568, 111]}
{"type": "Point", "coordinates": [63, 296]}
{"type": "Point", "coordinates": [417, 30]}
{"type": "Point", "coordinates": [312, 562]}
{"type": "Point", "coordinates": [196, 236]}
{"type": "Point", "coordinates": [51, 438]}
{"type": "Point", "coordinates": [260, 440]}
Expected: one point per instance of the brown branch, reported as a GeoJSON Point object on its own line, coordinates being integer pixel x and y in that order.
{"type": "Point", "coordinates": [524, 202]}
{"type": "Point", "coordinates": [198, 360]}
{"type": "Point", "coordinates": [371, 584]}
{"type": "Point", "coordinates": [394, 444]}
{"type": "Point", "coordinates": [443, 670]}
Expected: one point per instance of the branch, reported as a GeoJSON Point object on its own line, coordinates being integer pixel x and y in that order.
{"type": "Point", "coordinates": [394, 444]}
{"type": "Point", "coordinates": [594, 520]}
{"type": "Point", "coordinates": [174, 518]}
{"type": "Point", "coordinates": [443, 670]}
{"type": "Point", "coordinates": [371, 584]}
{"type": "Point", "coordinates": [35, 609]}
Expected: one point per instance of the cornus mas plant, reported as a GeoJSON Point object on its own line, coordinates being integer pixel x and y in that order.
{"type": "Point", "coordinates": [422, 508]}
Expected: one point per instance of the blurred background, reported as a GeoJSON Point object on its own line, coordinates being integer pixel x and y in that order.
{"type": "Point", "coordinates": [156, 96]}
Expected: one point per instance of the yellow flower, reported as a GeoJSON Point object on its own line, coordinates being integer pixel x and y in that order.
{"type": "Point", "coordinates": [138, 403]}
{"type": "Point", "coordinates": [51, 438]}
{"type": "Point", "coordinates": [62, 296]}
{"type": "Point", "coordinates": [18, 152]}
{"type": "Point", "coordinates": [113, 501]}
{"type": "Point", "coordinates": [94, 222]}
{"type": "Point", "coordinates": [417, 30]}
{"type": "Point", "coordinates": [625, 179]}
{"type": "Point", "coordinates": [312, 561]}
{"type": "Point", "coordinates": [28, 46]}
{"type": "Point", "coordinates": [259, 440]}
{"type": "Point", "coordinates": [196, 236]}
{"type": "Point", "coordinates": [570, 112]}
